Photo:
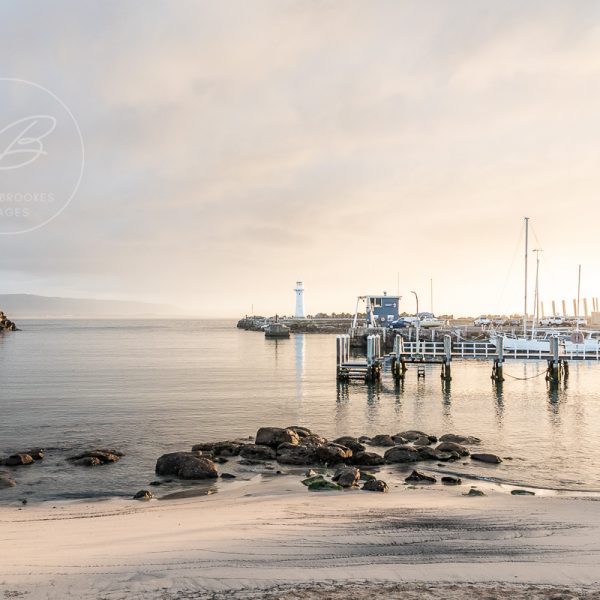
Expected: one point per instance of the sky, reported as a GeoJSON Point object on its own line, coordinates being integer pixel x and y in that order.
{"type": "Point", "coordinates": [233, 148]}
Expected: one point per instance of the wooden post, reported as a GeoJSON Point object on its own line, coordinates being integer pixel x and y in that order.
{"type": "Point", "coordinates": [498, 368]}
{"type": "Point", "coordinates": [554, 372]}
{"type": "Point", "coordinates": [446, 371]}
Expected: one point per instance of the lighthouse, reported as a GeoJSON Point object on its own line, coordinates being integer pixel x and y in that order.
{"type": "Point", "coordinates": [299, 289]}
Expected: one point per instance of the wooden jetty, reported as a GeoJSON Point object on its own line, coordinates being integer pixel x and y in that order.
{"type": "Point", "coordinates": [421, 353]}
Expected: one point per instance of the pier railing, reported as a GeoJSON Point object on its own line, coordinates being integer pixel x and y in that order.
{"type": "Point", "coordinates": [478, 349]}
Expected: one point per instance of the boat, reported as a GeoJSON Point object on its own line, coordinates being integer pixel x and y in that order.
{"type": "Point", "coordinates": [277, 330]}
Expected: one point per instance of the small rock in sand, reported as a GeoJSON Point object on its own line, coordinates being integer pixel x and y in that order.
{"type": "Point", "coordinates": [451, 480]}
{"type": "Point", "coordinates": [417, 477]}
{"type": "Point", "coordinates": [487, 458]}
{"type": "Point", "coordinates": [143, 495]}
{"type": "Point", "coordinates": [474, 492]}
{"type": "Point", "coordinates": [522, 493]}
{"type": "Point", "coordinates": [375, 485]}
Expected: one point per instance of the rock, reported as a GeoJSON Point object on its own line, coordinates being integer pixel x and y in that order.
{"type": "Point", "coordinates": [367, 459]}
{"type": "Point", "coordinates": [312, 479]}
{"type": "Point", "coordinates": [522, 493]}
{"type": "Point", "coordinates": [474, 492]}
{"type": "Point", "coordinates": [428, 453]}
{"type": "Point", "coordinates": [227, 449]}
{"type": "Point", "coordinates": [143, 495]}
{"type": "Point", "coordinates": [459, 439]}
{"type": "Point", "coordinates": [298, 455]}
{"type": "Point", "coordinates": [227, 476]}
{"type": "Point", "coordinates": [16, 460]}
{"type": "Point", "coordinates": [375, 485]}
{"type": "Point", "coordinates": [221, 460]}
{"type": "Point", "coordinates": [258, 452]}
{"type": "Point", "coordinates": [275, 436]}
{"type": "Point", "coordinates": [401, 454]}
{"type": "Point", "coordinates": [452, 447]}
{"type": "Point", "coordinates": [399, 440]}
{"type": "Point", "coordinates": [35, 453]}
{"type": "Point", "coordinates": [6, 482]}
{"type": "Point", "coordinates": [333, 454]}
{"type": "Point", "coordinates": [313, 441]}
{"type": "Point", "coordinates": [204, 446]}
{"type": "Point", "coordinates": [487, 458]}
{"type": "Point", "coordinates": [366, 476]}
{"type": "Point", "coordinates": [422, 441]}
{"type": "Point", "coordinates": [186, 465]}
{"type": "Point", "coordinates": [411, 435]}
{"type": "Point", "coordinates": [323, 486]}
{"type": "Point", "coordinates": [301, 432]}
{"type": "Point", "coordinates": [451, 480]}
{"type": "Point", "coordinates": [364, 439]}
{"type": "Point", "coordinates": [350, 442]}
{"type": "Point", "coordinates": [382, 440]}
{"type": "Point", "coordinates": [347, 477]}
{"type": "Point", "coordinates": [102, 456]}
{"type": "Point", "coordinates": [86, 461]}
{"type": "Point", "coordinates": [156, 483]}
{"type": "Point", "coordinates": [310, 473]}
{"type": "Point", "coordinates": [417, 477]}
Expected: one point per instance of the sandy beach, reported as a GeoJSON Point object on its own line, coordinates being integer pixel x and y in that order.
{"type": "Point", "coordinates": [271, 539]}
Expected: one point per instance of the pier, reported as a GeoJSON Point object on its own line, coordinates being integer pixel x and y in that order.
{"type": "Point", "coordinates": [421, 353]}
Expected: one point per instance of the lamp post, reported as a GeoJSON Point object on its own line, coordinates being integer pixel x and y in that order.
{"type": "Point", "coordinates": [417, 332]}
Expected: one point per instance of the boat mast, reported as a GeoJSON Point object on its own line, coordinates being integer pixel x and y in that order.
{"type": "Point", "coordinates": [536, 298]}
{"type": "Point", "coordinates": [578, 297]}
{"type": "Point", "coordinates": [526, 252]}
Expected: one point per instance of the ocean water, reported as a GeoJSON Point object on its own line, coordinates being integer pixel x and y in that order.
{"type": "Point", "coordinates": [153, 386]}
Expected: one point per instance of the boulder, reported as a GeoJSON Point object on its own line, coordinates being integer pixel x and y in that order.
{"type": "Point", "coordinates": [382, 440]}
{"type": "Point", "coordinates": [301, 432]}
{"type": "Point", "coordinates": [186, 465]}
{"type": "Point", "coordinates": [399, 440]}
{"type": "Point", "coordinates": [143, 495]}
{"type": "Point", "coordinates": [447, 480]}
{"type": "Point", "coordinates": [258, 452]}
{"type": "Point", "coordinates": [350, 442]}
{"type": "Point", "coordinates": [452, 447]}
{"type": "Point", "coordinates": [347, 477]}
{"type": "Point", "coordinates": [411, 435]}
{"type": "Point", "coordinates": [312, 479]}
{"type": "Point", "coordinates": [401, 454]}
{"type": "Point", "coordinates": [375, 485]}
{"type": "Point", "coordinates": [333, 454]}
{"type": "Point", "coordinates": [364, 439]}
{"type": "Point", "coordinates": [417, 477]}
{"type": "Point", "coordinates": [313, 440]}
{"type": "Point", "coordinates": [422, 441]}
{"type": "Point", "coordinates": [367, 459]}
{"type": "Point", "coordinates": [87, 461]}
{"type": "Point", "coordinates": [366, 476]}
{"type": "Point", "coordinates": [16, 460]}
{"type": "Point", "coordinates": [275, 436]}
{"type": "Point", "coordinates": [487, 458]}
{"type": "Point", "coordinates": [459, 439]}
{"type": "Point", "coordinates": [297, 455]}
{"type": "Point", "coordinates": [428, 453]}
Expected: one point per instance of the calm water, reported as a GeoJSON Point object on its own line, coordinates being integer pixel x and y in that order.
{"type": "Point", "coordinates": [149, 387]}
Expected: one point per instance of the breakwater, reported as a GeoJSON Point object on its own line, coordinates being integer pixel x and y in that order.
{"type": "Point", "coordinates": [316, 325]}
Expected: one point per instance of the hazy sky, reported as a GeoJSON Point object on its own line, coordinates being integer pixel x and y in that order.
{"type": "Point", "coordinates": [233, 147]}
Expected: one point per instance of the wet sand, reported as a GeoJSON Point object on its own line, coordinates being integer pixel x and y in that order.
{"type": "Point", "coordinates": [272, 539]}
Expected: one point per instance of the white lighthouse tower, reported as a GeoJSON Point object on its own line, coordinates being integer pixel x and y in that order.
{"type": "Point", "coordinates": [299, 289]}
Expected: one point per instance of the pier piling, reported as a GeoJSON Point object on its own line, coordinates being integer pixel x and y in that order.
{"type": "Point", "coordinates": [446, 371]}
{"type": "Point", "coordinates": [498, 368]}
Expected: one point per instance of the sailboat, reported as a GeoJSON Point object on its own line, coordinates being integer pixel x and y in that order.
{"type": "Point", "coordinates": [573, 342]}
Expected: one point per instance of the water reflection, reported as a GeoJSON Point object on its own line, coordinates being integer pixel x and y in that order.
{"type": "Point", "coordinates": [498, 392]}
{"type": "Point", "coordinates": [299, 353]}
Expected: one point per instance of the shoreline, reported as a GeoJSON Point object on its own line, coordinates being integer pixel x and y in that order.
{"type": "Point", "coordinates": [269, 535]}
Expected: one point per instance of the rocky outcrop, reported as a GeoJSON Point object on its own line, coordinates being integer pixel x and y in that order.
{"type": "Point", "coordinates": [297, 455]}
{"type": "Point", "coordinates": [6, 324]}
{"type": "Point", "coordinates": [275, 436]}
{"type": "Point", "coordinates": [93, 458]}
{"type": "Point", "coordinates": [225, 449]}
{"type": "Point", "coordinates": [186, 465]}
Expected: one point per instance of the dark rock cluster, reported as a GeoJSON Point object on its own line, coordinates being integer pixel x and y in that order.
{"type": "Point", "coordinates": [6, 324]}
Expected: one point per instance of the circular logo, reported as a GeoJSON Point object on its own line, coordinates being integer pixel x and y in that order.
{"type": "Point", "coordinates": [41, 156]}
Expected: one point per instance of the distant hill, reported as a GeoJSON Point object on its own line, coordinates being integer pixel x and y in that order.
{"type": "Point", "coordinates": [19, 306]}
